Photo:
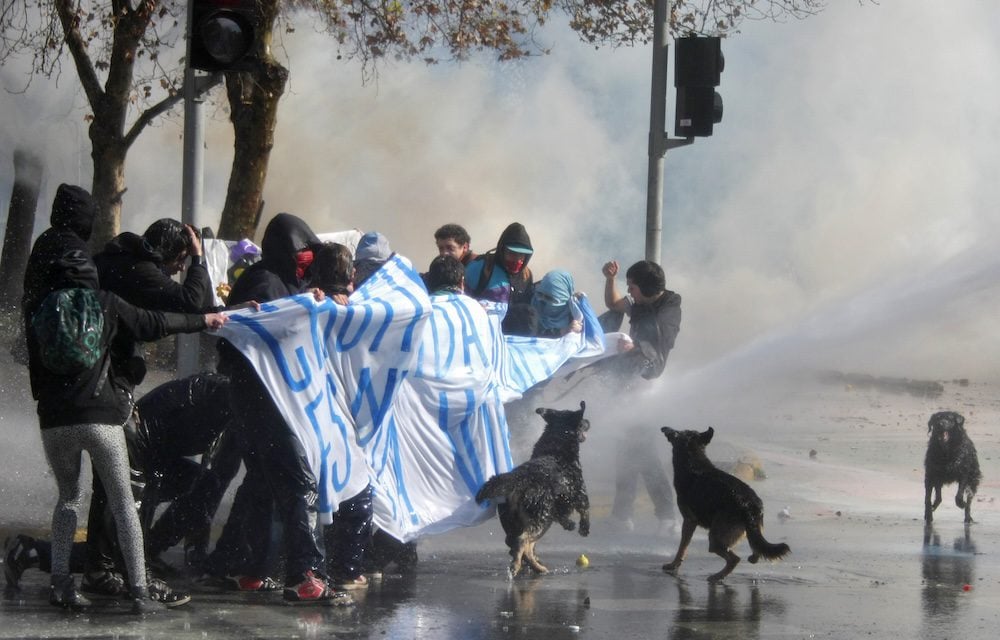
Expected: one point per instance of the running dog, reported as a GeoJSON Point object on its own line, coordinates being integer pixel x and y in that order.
{"type": "Point", "coordinates": [951, 457]}
{"type": "Point", "coordinates": [711, 498]}
{"type": "Point", "coordinates": [547, 488]}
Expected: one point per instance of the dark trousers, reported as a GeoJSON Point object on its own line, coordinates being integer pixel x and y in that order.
{"type": "Point", "coordinates": [189, 516]}
{"type": "Point", "coordinates": [278, 476]}
{"type": "Point", "coordinates": [347, 537]}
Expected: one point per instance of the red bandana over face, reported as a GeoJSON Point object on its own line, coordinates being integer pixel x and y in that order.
{"type": "Point", "coordinates": [513, 262]}
{"type": "Point", "coordinates": [303, 259]}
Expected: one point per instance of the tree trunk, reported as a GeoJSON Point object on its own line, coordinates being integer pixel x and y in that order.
{"type": "Point", "coordinates": [28, 170]}
{"type": "Point", "coordinates": [108, 187]}
{"type": "Point", "coordinates": [253, 103]}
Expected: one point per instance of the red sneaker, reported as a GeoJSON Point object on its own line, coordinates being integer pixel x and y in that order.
{"type": "Point", "coordinates": [314, 590]}
{"type": "Point", "coordinates": [253, 583]}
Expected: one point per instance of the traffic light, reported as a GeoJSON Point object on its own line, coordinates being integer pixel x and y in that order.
{"type": "Point", "coordinates": [223, 34]}
{"type": "Point", "coordinates": [698, 63]}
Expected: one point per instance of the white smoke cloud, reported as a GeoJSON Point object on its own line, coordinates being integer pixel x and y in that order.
{"type": "Point", "coordinates": [854, 161]}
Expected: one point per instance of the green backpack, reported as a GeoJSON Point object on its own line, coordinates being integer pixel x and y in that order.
{"type": "Point", "coordinates": [68, 328]}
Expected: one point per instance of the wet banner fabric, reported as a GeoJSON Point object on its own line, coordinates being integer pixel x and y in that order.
{"type": "Point", "coordinates": [401, 390]}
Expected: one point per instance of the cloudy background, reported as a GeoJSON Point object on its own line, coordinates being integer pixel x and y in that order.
{"type": "Point", "coordinates": [844, 214]}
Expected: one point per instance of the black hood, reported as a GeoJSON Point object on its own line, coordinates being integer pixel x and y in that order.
{"type": "Point", "coordinates": [285, 236]}
{"type": "Point", "coordinates": [515, 233]}
{"type": "Point", "coordinates": [131, 244]}
{"type": "Point", "coordinates": [75, 209]}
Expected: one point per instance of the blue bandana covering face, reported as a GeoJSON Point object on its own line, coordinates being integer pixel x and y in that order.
{"type": "Point", "coordinates": [551, 300]}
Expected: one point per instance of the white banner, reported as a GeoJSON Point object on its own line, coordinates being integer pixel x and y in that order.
{"type": "Point", "coordinates": [401, 390]}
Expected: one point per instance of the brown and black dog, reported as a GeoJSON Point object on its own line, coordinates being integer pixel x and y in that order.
{"type": "Point", "coordinates": [951, 457]}
{"type": "Point", "coordinates": [711, 498]}
{"type": "Point", "coordinates": [547, 488]}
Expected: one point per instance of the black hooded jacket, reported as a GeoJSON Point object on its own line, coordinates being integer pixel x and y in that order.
{"type": "Point", "coordinates": [129, 267]}
{"type": "Point", "coordinates": [274, 276]}
{"type": "Point", "coordinates": [522, 286]}
{"type": "Point", "coordinates": [60, 259]}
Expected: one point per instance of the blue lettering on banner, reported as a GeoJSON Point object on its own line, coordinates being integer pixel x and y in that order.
{"type": "Point", "coordinates": [279, 356]}
{"type": "Point", "coordinates": [376, 407]}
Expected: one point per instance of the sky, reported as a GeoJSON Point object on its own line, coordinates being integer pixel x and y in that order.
{"type": "Point", "coordinates": [842, 216]}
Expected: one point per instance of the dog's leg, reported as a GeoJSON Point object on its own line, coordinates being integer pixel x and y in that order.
{"type": "Point", "coordinates": [960, 496]}
{"type": "Point", "coordinates": [928, 508]}
{"type": "Point", "coordinates": [719, 548]}
{"type": "Point", "coordinates": [687, 530]}
{"type": "Point", "coordinates": [532, 559]}
{"type": "Point", "coordinates": [567, 522]}
{"type": "Point", "coordinates": [584, 521]}
{"type": "Point", "coordinates": [517, 556]}
{"type": "Point", "coordinates": [964, 500]}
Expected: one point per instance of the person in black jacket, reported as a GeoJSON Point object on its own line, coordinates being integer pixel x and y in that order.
{"type": "Point", "coordinates": [85, 411]}
{"type": "Point", "coordinates": [502, 275]}
{"type": "Point", "coordinates": [139, 269]}
{"type": "Point", "coordinates": [172, 423]}
{"type": "Point", "coordinates": [654, 321]}
{"type": "Point", "coordinates": [278, 476]}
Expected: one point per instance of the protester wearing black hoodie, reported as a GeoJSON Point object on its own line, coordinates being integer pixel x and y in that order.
{"type": "Point", "coordinates": [278, 473]}
{"type": "Point", "coordinates": [139, 269]}
{"type": "Point", "coordinates": [85, 411]}
{"type": "Point", "coordinates": [502, 275]}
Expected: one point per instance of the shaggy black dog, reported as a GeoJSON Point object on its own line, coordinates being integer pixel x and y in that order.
{"type": "Point", "coordinates": [711, 498]}
{"type": "Point", "coordinates": [545, 489]}
{"type": "Point", "coordinates": [951, 457]}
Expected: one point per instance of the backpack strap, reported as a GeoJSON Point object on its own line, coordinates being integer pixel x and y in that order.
{"type": "Point", "coordinates": [488, 259]}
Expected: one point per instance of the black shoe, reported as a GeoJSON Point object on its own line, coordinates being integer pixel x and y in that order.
{"type": "Point", "coordinates": [161, 592]}
{"type": "Point", "coordinates": [63, 593]}
{"type": "Point", "coordinates": [107, 584]}
{"type": "Point", "coordinates": [16, 558]}
{"type": "Point", "coordinates": [143, 602]}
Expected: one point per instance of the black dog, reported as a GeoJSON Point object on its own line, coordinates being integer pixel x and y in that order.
{"type": "Point", "coordinates": [545, 489]}
{"type": "Point", "coordinates": [951, 457]}
{"type": "Point", "coordinates": [711, 498]}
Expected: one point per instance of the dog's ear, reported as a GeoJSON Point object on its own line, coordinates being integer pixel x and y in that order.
{"type": "Point", "coordinates": [706, 435]}
{"type": "Point", "coordinates": [959, 419]}
{"type": "Point", "coordinates": [583, 406]}
{"type": "Point", "coordinates": [670, 433]}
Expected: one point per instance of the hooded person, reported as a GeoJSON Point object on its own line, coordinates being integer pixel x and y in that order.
{"type": "Point", "coordinates": [278, 476]}
{"type": "Point", "coordinates": [502, 275]}
{"type": "Point", "coordinates": [60, 257]}
{"type": "Point", "coordinates": [139, 268]}
{"type": "Point", "coordinates": [372, 252]}
{"type": "Point", "coordinates": [555, 305]}
{"type": "Point", "coordinates": [84, 409]}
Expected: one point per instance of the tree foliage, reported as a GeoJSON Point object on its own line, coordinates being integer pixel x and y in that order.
{"type": "Point", "coordinates": [127, 57]}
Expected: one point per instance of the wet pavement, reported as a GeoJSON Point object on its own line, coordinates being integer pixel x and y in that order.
{"type": "Point", "coordinates": [848, 577]}
{"type": "Point", "coordinates": [844, 463]}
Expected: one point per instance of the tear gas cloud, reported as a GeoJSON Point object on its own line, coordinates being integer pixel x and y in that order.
{"type": "Point", "coordinates": [842, 216]}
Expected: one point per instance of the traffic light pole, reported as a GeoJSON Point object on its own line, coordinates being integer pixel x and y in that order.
{"type": "Point", "coordinates": [192, 182]}
{"type": "Point", "coordinates": [659, 142]}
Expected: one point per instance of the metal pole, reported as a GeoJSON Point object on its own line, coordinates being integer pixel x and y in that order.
{"type": "Point", "coordinates": [192, 186]}
{"type": "Point", "coordinates": [657, 127]}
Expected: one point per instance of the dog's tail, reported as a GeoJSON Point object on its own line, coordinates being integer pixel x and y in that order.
{"type": "Point", "coordinates": [496, 487]}
{"type": "Point", "coordinates": [761, 547]}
